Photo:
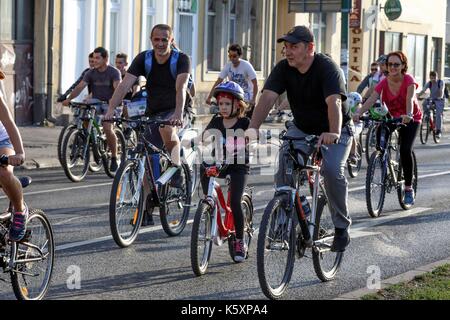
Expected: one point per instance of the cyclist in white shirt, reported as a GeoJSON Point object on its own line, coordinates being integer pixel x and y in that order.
{"type": "Point", "coordinates": [241, 72]}
{"type": "Point", "coordinates": [11, 145]}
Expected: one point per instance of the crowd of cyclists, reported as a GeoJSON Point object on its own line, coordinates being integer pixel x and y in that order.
{"type": "Point", "coordinates": [316, 92]}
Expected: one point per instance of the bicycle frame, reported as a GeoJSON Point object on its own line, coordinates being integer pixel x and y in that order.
{"type": "Point", "coordinates": [220, 230]}
{"type": "Point", "coordinates": [146, 169]}
{"type": "Point", "coordinates": [388, 162]}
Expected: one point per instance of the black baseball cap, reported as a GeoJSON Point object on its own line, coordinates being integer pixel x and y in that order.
{"type": "Point", "coordinates": [298, 34]}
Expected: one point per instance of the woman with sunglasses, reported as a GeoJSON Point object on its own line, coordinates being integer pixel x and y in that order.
{"type": "Point", "coordinates": [397, 91]}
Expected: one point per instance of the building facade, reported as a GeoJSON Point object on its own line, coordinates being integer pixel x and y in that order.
{"type": "Point", "coordinates": [43, 58]}
{"type": "Point", "coordinates": [421, 36]}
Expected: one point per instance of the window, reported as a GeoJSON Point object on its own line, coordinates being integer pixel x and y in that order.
{"type": "Point", "coordinates": [232, 33]}
{"type": "Point", "coordinates": [319, 28]}
{"type": "Point", "coordinates": [256, 13]}
{"type": "Point", "coordinates": [392, 42]}
{"type": "Point", "coordinates": [436, 55]}
{"type": "Point", "coordinates": [416, 57]}
{"type": "Point", "coordinates": [213, 40]}
{"type": "Point", "coordinates": [150, 21]}
{"type": "Point", "coordinates": [234, 21]}
{"type": "Point", "coordinates": [16, 20]}
{"type": "Point", "coordinates": [114, 28]}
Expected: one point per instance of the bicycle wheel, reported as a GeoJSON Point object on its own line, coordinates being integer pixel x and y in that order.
{"type": "Point", "coordinates": [201, 239]}
{"type": "Point", "coordinates": [126, 205]}
{"type": "Point", "coordinates": [61, 136]}
{"type": "Point", "coordinates": [401, 180]}
{"type": "Point", "coordinates": [176, 204]}
{"type": "Point", "coordinates": [375, 184]}
{"type": "Point", "coordinates": [121, 153]}
{"type": "Point", "coordinates": [424, 129]}
{"type": "Point", "coordinates": [354, 168]}
{"type": "Point", "coordinates": [436, 138]}
{"type": "Point", "coordinates": [247, 209]}
{"type": "Point", "coordinates": [275, 253]}
{"type": "Point", "coordinates": [35, 255]}
{"type": "Point", "coordinates": [371, 142]}
{"type": "Point", "coordinates": [326, 263]}
{"type": "Point", "coordinates": [75, 155]}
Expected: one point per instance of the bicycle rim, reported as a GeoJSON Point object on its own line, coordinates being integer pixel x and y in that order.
{"type": "Point", "coordinates": [354, 168]}
{"type": "Point", "coordinates": [125, 209]}
{"type": "Point", "coordinates": [275, 250]}
{"type": "Point", "coordinates": [121, 153]}
{"type": "Point", "coordinates": [371, 142]}
{"type": "Point", "coordinates": [176, 204]}
{"type": "Point", "coordinates": [33, 281]}
{"type": "Point", "coordinates": [75, 162]}
{"type": "Point", "coordinates": [326, 263]}
{"type": "Point", "coordinates": [375, 185]}
{"type": "Point", "coordinates": [424, 130]}
{"type": "Point", "coordinates": [201, 239]}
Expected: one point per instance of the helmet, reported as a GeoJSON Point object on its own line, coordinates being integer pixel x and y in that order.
{"type": "Point", "coordinates": [230, 87]}
{"type": "Point", "coordinates": [353, 100]}
{"type": "Point", "coordinates": [378, 111]}
{"type": "Point", "coordinates": [382, 59]}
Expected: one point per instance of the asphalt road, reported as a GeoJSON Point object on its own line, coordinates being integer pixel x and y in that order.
{"type": "Point", "coordinates": [157, 267]}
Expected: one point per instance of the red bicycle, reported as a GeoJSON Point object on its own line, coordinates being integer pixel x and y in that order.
{"type": "Point", "coordinates": [214, 223]}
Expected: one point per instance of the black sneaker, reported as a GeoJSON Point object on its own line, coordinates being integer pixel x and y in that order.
{"type": "Point", "coordinates": [438, 134]}
{"type": "Point", "coordinates": [114, 165]}
{"type": "Point", "coordinates": [147, 219]}
{"type": "Point", "coordinates": [341, 240]}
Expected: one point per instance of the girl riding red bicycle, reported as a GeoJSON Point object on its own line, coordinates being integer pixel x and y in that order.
{"type": "Point", "coordinates": [229, 127]}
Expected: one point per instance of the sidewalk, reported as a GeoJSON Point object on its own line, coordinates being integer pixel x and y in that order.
{"type": "Point", "coordinates": [41, 142]}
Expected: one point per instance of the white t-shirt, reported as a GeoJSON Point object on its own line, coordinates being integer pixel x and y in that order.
{"type": "Point", "coordinates": [3, 133]}
{"type": "Point", "coordinates": [242, 75]}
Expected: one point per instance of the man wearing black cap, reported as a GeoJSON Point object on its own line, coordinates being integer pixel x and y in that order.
{"type": "Point", "coordinates": [316, 93]}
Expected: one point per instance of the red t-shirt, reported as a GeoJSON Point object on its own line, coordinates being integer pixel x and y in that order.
{"type": "Point", "coordinates": [397, 104]}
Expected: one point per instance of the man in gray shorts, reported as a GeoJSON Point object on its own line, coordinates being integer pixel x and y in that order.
{"type": "Point", "coordinates": [103, 80]}
{"type": "Point", "coordinates": [316, 93]}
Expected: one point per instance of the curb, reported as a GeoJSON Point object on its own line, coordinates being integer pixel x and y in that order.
{"type": "Point", "coordinates": [404, 277]}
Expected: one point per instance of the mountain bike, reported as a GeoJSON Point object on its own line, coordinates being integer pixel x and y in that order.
{"type": "Point", "coordinates": [30, 261]}
{"type": "Point", "coordinates": [429, 123]}
{"type": "Point", "coordinates": [88, 135]}
{"type": "Point", "coordinates": [148, 169]}
{"type": "Point", "coordinates": [385, 172]}
{"type": "Point", "coordinates": [214, 223]}
{"type": "Point", "coordinates": [286, 231]}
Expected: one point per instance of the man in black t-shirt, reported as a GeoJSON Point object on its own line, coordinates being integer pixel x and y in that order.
{"type": "Point", "coordinates": [316, 93]}
{"type": "Point", "coordinates": [166, 96]}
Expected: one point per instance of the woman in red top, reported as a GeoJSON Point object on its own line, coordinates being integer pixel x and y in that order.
{"type": "Point", "coordinates": [397, 91]}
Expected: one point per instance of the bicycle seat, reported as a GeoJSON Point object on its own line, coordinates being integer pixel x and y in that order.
{"type": "Point", "coordinates": [25, 181]}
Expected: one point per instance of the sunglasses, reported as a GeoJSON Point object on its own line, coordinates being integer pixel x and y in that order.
{"type": "Point", "coordinates": [395, 65]}
{"type": "Point", "coordinates": [374, 70]}
{"type": "Point", "coordinates": [165, 40]}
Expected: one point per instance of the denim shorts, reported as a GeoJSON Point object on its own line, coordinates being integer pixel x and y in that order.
{"type": "Point", "coordinates": [6, 144]}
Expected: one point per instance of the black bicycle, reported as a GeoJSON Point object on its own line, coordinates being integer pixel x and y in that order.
{"type": "Point", "coordinates": [385, 172]}
{"type": "Point", "coordinates": [30, 261]}
{"type": "Point", "coordinates": [87, 136]}
{"type": "Point", "coordinates": [136, 177]}
{"type": "Point", "coordinates": [286, 230]}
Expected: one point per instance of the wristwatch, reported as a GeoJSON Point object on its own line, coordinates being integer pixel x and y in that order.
{"type": "Point", "coordinates": [409, 114]}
